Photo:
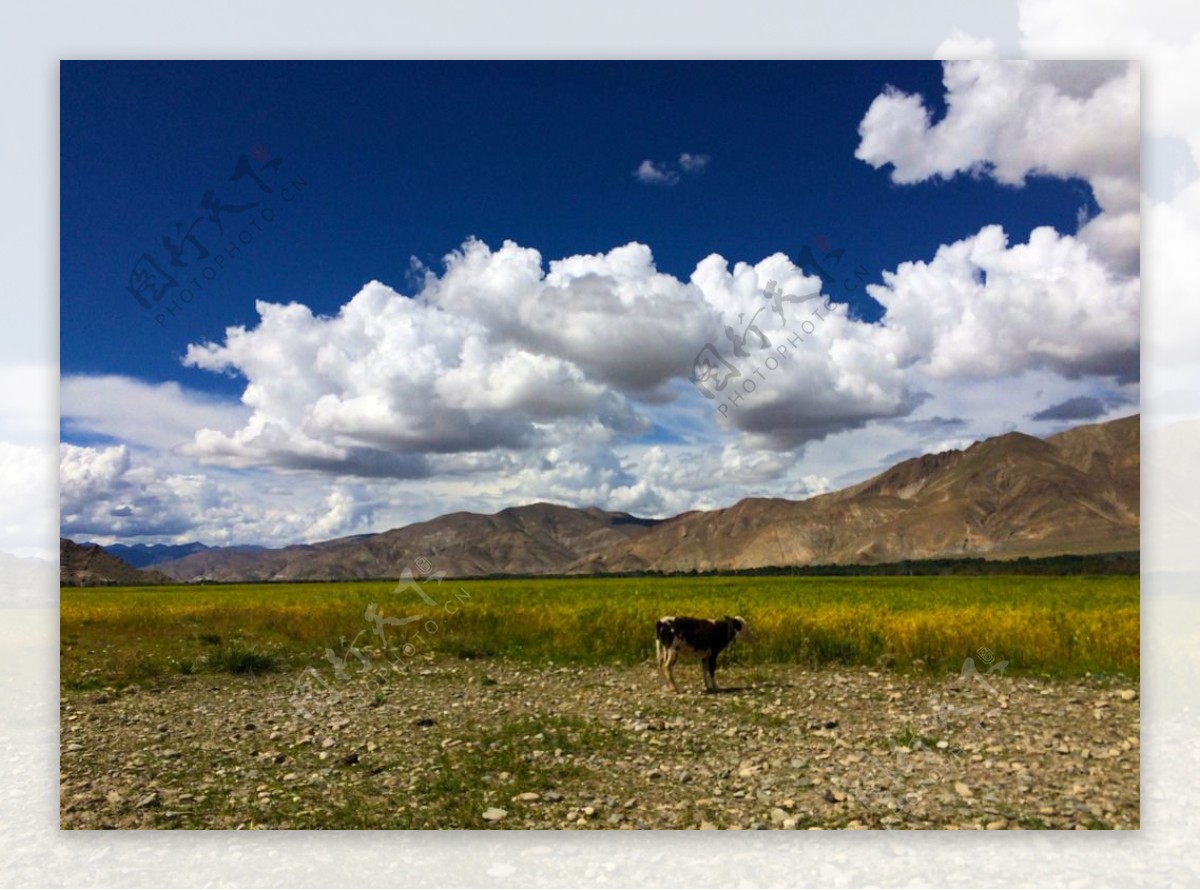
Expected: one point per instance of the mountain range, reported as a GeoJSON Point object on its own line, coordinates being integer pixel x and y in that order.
{"type": "Point", "coordinates": [89, 565]}
{"type": "Point", "coordinates": [1009, 496]}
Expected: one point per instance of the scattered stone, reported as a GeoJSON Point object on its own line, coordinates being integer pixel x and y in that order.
{"type": "Point", "coordinates": [783, 765]}
{"type": "Point", "coordinates": [494, 814]}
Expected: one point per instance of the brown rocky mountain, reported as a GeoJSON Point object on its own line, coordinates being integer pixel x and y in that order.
{"type": "Point", "coordinates": [89, 565]}
{"type": "Point", "coordinates": [1009, 496]}
{"type": "Point", "coordinates": [535, 539]}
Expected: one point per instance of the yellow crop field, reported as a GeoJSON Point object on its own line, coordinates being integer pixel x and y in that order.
{"type": "Point", "coordinates": [1061, 626]}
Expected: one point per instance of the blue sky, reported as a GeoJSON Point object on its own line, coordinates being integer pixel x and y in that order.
{"type": "Point", "coordinates": [986, 210]}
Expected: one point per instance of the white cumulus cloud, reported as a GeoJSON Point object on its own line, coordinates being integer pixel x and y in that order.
{"type": "Point", "coordinates": [980, 308]}
{"type": "Point", "coordinates": [1013, 119]}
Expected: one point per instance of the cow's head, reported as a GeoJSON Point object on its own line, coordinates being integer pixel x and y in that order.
{"type": "Point", "coordinates": [741, 631]}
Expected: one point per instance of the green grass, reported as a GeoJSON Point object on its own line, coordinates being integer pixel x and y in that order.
{"type": "Point", "coordinates": [488, 769]}
{"type": "Point", "coordinates": [909, 738]}
{"type": "Point", "coordinates": [1063, 626]}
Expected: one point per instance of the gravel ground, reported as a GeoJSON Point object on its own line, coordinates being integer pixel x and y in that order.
{"type": "Point", "coordinates": [442, 743]}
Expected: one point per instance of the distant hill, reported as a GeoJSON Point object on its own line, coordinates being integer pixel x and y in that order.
{"type": "Point", "coordinates": [1011, 496]}
{"type": "Point", "coordinates": [89, 565]}
{"type": "Point", "coordinates": [535, 539]}
{"type": "Point", "coordinates": [142, 555]}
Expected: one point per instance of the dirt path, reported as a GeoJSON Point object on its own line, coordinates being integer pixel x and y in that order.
{"type": "Point", "coordinates": [472, 744]}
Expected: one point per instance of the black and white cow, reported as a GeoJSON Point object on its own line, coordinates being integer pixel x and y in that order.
{"type": "Point", "coordinates": [696, 638]}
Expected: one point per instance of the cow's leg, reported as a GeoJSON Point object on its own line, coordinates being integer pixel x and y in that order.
{"type": "Point", "coordinates": [669, 667]}
{"type": "Point", "coordinates": [710, 672]}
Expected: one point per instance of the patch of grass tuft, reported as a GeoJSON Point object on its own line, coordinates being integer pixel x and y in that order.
{"type": "Point", "coordinates": [236, 660]}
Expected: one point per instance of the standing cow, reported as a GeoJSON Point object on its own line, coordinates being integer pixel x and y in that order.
{"type": "Point", "coordinates": [696, 638]}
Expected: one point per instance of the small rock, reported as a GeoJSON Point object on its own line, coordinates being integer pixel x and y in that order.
{"type": "Point", "coordinates": [1127, 695]}
{"type": "Point", "coordinates": [553, 796]}
{"type": "Point", "coordinates": [834, 796]}
{"type": "Point", "coordinates": [963, 790]}
{"type": "Point", "coordinates": [528, 796]}
{"type": "Point", "coordinates": [328, 743]}
{"type": "Point", "coordinates": [997, 825]}
{"type": "Point", "coordinates": [494, 814]}
{"type": "Point", "coordinates": [707, 826]}
{"type": "Point", "coordinates": [778, 815]}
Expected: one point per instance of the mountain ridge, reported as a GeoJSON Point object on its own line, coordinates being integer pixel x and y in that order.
{"type": "Point", "coordinates": [89, 565]}
{"type": "Point", "coordinates": [1008, 496]}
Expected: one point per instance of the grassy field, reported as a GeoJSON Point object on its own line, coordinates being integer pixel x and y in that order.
{"type": "Point", "coordinates": [1065, 626]}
